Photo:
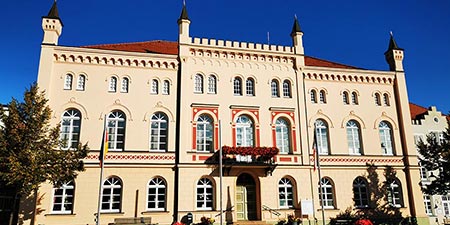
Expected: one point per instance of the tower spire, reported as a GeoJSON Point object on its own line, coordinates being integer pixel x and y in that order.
{"type": "Point", "coordinates": [53, 13]}
{"type": "Point", "coordinates": [392, 44]}
{"type": "Point", "coordinates": [184, 14]}
{"type": "Point", "coordinates": [394, 55]}
{"type": "Point", "coordinates": [296, 27]}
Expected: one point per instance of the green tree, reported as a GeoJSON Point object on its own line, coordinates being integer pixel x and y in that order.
{"type": "Point", "coordinates": [435, 157]}
{"type": "Point", "coordinates": [29, 146]}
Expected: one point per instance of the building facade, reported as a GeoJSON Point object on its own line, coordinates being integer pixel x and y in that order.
{"type": "Point", "coordinates": [169, 107]}
{"type": "Point", "coordinates": [429, 121]}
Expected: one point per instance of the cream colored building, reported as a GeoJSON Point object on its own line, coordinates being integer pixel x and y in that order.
{"type": "Point", "coordinates": [170, 106]}
{"type": "Point", "coordinates": [425, 122]}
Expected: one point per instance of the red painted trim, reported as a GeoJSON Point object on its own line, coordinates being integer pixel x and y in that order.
{"type": "Point", "coordinates": [194, 158]}
{"type": "Point", "coordinates": [203, 157]}
{"type": "Point", "coordinates": [285, 159]}
{"type": "Point", "coordinates": [194, 136]}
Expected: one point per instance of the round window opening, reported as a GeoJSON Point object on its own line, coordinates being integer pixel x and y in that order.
{"type": "Point", "coordinates": [436, 119]}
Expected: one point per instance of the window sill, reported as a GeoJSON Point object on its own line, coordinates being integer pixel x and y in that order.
{"type": "Point", "coordinates": [154, 212]}
{"type": "Point", "coordinates": [60, 214]}
{"type": "Point", "coordinates": [111, 213]}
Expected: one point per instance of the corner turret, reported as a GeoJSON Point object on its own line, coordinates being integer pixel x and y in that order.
{"type": "Point", "coordinates": [183, 26]}
{"type": "Point", "coordinates": [394, 55]}
{"type": "Point", "coordinates": [297, 37]}
{"type": "Point", "coordinates": [52, 26]}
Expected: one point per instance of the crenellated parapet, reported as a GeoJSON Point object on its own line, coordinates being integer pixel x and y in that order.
{"type": "Point", "coordinates": [386, 79]}
{"type": "Point", "coordinates": [128, 60]}
{"type": "Point", "coordinates": [242, 46]}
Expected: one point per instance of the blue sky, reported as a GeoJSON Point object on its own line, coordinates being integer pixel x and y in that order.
{"type": "Point", "coordinates": [352, 32]}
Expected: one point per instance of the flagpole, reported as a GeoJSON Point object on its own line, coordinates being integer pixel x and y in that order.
{"type": "Point", "coordinates": [220, 172]}
{"type": "Point", "coordinates": [320, 176]}
{"type": "Point", "coordinates": [102, 164]}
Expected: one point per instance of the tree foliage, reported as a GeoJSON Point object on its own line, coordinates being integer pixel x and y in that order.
{"type": "Point", "coordinates": [435, 157]}
{"type": "Point", "coordinates": [29, 146]}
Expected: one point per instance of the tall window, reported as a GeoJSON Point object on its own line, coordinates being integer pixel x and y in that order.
{"type": "Point", "coordinates": [166, 87]}
{"type": "Point", "coordinates": [81, 82]}
{"type": "Point", "coordinates": [313, 96]}
{"type": "Point", "coordinates": [204, 194]}
{"type": "Point", "coordinates": [198, 83]}
{"type": "Point", "coordinates": [428, 206]}
{"type": "Point", "coordinates": [116, 130]}
{"type": "Point", "coordinates": [327, 196]}
{"type": "Point", "coordinates": [244, 131]}
{"type": "Point", "coordinates": [113, 84]}
{"type": "Point", "coordinates": [212, 84]}
{"type": "Point", "coordinates": [345, 98]}
{"type": "Point", "coordinates": [274, 87]}
{"type": "Point", "coordinates": [285, 193]}
{"type": "Point", "coordinates": [124, 86]}
{"type": "Point", "coordinates": [158, 132]}
{"type": "Point", "coordinates": [237, 86]}
{"type": "Point", "coordinates": [321, 137]}
{"type": "Point", "coordinates": [111, 195]}
{"type": "Point", "coordinates": [287, 89]}
{"type": "Point", "coordinates": [322, 97]}
{"type": "Point", "coordinates": [377, 99]}
{"type": "Point", "coordinates": [386, 99]}
{"type": "Point", "coordinates": [156, 194]}
{"type": "Point", "coordinates": [70, 129]}
{"type": "Point", "coordinates": [68, 82]}
{"type": "Point", "coordinates": [205, 133]}
{"type": "Point", "coordinates": [360, 193]}
{"type": "Point", "coordinates": [394, 193]}
{"type": "Point", "coordinates": [282, 129]}
{"type": "Point", "coordinates": [63, 198]}
{"type": "Point", "coordinates": [353, 137]}
{"type": "Point", "coordinates": [250, 87]}
{"type": "Point", "coordinates": [155, 87]}
{"type": "Point", "coordinates": [386, 138]}
{"type": "Point", "coordinates": [423, 173]}
{"type": "Point", "coordinates": [354, 98]}
{"type": "Point", "coordinates": [446, 204]}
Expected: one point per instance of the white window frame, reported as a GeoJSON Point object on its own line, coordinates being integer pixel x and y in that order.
{"type": "Point", "coordinates": [274, 87]}
{"type": "Point", "coordinates": [205, 194]}
{"type": "Point", "coordinates": [69, 131]}
{"type": "Point", "coordinates": [158, 196]}
{"type": "Point", "coordinates": [360, 193]}
{"type": "Point", "coordinates": [287, 89]}
{"type": "Point", "coordinates": [445, 199]}
{"type": "Point", "coordinates": [322, 137]}
{"type": "Point", "coordinates": [155, 86]}
{"type": "Point", "coordinates": [377, 99]}
{"type": "Point", "coordinates": [112, 183]}
{"type": "Point", "coordinates": [212, 84]}
{"type": "Point", "coordinates": [327, 192]}
{"type": "Point", "coordinates": [386, 100]}
{"type": "Point", "coordinates": [244, 132]}
{"type": "Point", "coordinates": [112, 84]}
{"type": "Point", "coordinates": [81, 82]}
{"type": "Point", "coordinates": [354, 137]}
{"type": "Point", "coordinates": [322, 97]}
{"type": "Point", "coordinates": [115, 131]}
{"type": "Point", "coordinates": [198, 84]}
{"type": "Point", "coordinates": [166, 87]}
{"type": "Point", "coordinates": [354, 98]}
{"type": "Point", "coordinates": [68, 81]}
{"type": "Point", "coordinates": [385, 133]}
{"type": "Point", "coordinates": [65, 198]}
{"type": "Point", "coordinates": [428, 204]}
{"type": "Point", "coordinates": [237, 86]}
{"type": "Point", "coordinates": [282, 135]}
{"type": "Point", "coordinates": [285, 193]}
{"type": "Point", "coordinates": [205, 134]}
{"type": "Point", "coordinates": [313, 96]}
{"type": "Point", "coordinates": [125, 85]}
{"type": "Point", "coordinates": [345, 99]}
{"type": "Point", "coordinates": [394, 193]}
{"type": "Point", "coordinates": [250, 87]}
{"type": "Point", "coordinates": [159, 124]}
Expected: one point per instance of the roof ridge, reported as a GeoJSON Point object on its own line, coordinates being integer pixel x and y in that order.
{"type": "Point", "coordinates": [127, 43]}
{"type": "Point", "coordinates": [313, 57]}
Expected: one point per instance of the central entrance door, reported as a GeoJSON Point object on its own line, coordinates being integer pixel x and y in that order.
{"type": "Point", "coordinates": [246, 197]}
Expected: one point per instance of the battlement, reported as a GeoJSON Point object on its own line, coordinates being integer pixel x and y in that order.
{"type": "Point", "coordinates": [242, 45]}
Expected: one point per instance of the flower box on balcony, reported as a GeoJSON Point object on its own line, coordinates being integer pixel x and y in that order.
{"type": "Point", "coordinates": [250, 154]}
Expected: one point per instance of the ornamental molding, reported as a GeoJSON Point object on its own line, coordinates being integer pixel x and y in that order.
{"type": "Point", "coordinates": [342, 76]}
{"type": "Point", "coordinates": [138, 157]}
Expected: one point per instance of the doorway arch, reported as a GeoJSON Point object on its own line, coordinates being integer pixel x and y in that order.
{"type": "Point", "coordinates": [246, 197]}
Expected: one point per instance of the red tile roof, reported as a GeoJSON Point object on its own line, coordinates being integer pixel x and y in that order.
{"type": "Point", "coordinates": [171, 48]}
{"type": "Point", "coordinates": [416, 111]}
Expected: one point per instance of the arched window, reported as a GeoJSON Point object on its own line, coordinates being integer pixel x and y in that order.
{"type": "Point", "coordinates": [198, 83]}
{"type": "Point", "coordinates": [116, 130]}
{"type": "Point", "coordinates": [237, 86]}
{"type": "Point", "coordinates": [166, 87]}
{"type": "Point", "coordinates": [377, 99]}
{"type": "Point", "coordinates": [354, 98]}
{"type": "Point", "coordinates": [81, 82]}
{"type": "Point", "coordinates": [386, 138]}
{"type": "Point", "coordinates": [156, 194]}
{"type": "Point", "coordinates": [353, 138]}
{"type": "Point", "coordinates": [386, 99]}
{"type": "Point", "coordinates": [70, 129]}
{"type": "Point", "coordinates": [394, 192]}
{"type": "Point", "coordinates": [244, 132]}
{"type": "Point", "coordinates": [155, 86]}
{"type": "Point", "coordinates": [322, 97]}
{"type": "Point", "coordinates": [250, 87]}
{"type": "Point", "coordinates": [345, 98]}
{"type": "Point", "coordinates": [313, 96]}
{"type": "Point", "coordinates": [285, 193]}
{"type": "Point", "coordinates": [111, 195]}
{"type": "Point", "coordinates": [205, 133]}
{"type": "Point", "coordinates": [321, 137]}
{"type": "Point", "coordinates": [326, 194]}
{"type": "Point", "coordinates": [63, 198]}
{"type": "Point", "coordinates": [124, 86]}
{"type": "Point", "coordinates": [212, 84]}
{"type": "Point", "coordinates": [287, 89]}
{"type": "Point", "coordinates": [68, 82]}
{"type": "Point", "coordinates": [274, 87]}
{"type": "Point", "coordinates": [113, 84]}
{"type": "Point", "coordinates": [204, 194]}
{"type": "Point", "coordinates": [282, 129]}
{"type": "Point", "coordinates": [158, 132]}
{"type": "Point", "coordinates": [360, 193]}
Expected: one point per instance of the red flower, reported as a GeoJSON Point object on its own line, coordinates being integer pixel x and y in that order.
{"type": "Point", "coordinates": [265, 152]}
{"type": "Point", "coordinates": [363, 222]}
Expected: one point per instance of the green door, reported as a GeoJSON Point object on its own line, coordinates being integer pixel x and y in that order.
{"type": "Point", "coordinates": [245, 198]}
